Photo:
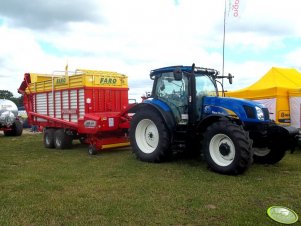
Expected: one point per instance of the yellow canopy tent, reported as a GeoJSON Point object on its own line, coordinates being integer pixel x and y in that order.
{"type": "Point", "coordinates": [273, 90]}
{"type": "Point", "coordinates": [295, 107]}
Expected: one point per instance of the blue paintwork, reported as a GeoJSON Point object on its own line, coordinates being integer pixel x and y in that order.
{"type": "Point", "coordinates": [222, 105]}
{"type": "Point", "coordinates": [158, 103]}
{"type": "Point", "coordinates": [225, 106]}
{"type": "Point", "coordinates": [171, 68]}
{"type": "Point", "coordinates": [187, 69]}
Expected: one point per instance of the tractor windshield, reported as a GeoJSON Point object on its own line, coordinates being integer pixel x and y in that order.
{"type": "Point", "coordinates": [205, 86]}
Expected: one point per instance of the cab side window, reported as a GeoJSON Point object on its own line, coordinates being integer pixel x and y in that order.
{"type": "Point", "coordinates": [174, 93]}
{"type": "Point", "coordinates": [172, 90]}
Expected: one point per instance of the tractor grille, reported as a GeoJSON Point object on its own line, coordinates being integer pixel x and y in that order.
{"type": "Point", "coordinates": [266, 113]}
{"type": "Point", "coordinates": [250, 111]}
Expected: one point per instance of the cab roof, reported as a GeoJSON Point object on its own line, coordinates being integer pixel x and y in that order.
{"type": "Point", "coordinates": [187, 69]}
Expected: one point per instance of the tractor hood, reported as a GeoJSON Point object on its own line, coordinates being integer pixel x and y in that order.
{"type": "Point", "coordinates": [245, 110]}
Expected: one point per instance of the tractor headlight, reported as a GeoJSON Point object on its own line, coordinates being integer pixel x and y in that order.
{"type": "Point", "coordinates": [259, 113]}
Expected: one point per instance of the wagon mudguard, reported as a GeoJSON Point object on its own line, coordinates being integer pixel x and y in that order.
{"type": "Point", "coordinates": [159, 106]}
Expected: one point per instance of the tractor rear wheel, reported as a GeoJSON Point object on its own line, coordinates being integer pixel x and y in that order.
{"type": "Point", "coordinates": [227, 148]}
{"type": "Point", "coordinates": [62, 140]}
{"type": "Point", "coordinates": [48, 138]}
{"type": "Point", "coordinates": [149, 136]}
{"type": "Point", "coordinates": [270, 155]}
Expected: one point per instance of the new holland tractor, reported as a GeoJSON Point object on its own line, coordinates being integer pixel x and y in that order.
{"type": "Point", "coordinates": [184, 111]}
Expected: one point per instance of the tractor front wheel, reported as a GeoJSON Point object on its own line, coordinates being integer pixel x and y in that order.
{"type": "Point", "coordinates": [269, 155]}
{"type": "Point", "coordinates": [149, 136]}
{"type": "Point", "coordinates": [227, 148]}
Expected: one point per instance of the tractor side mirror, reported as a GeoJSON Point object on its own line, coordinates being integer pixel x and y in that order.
{"type": "Point", "coordinates": [177, 74]}
{"type": "Point", "coordinates": [230, 78]}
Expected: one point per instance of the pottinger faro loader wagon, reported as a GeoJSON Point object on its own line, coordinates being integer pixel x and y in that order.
{"type": "Point", "coordinates": [87, 105]}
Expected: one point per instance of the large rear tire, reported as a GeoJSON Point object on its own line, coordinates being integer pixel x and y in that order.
{"type": "Point", "coordinates": [227, 148]}
{"type": "Point", "coordinates": [62, 140]}
{"type": "Point", "coordinates": [270, 155]}
{"type": "Point", "coordinates": [149, 137]}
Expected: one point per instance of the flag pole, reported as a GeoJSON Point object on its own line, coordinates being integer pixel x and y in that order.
{"type": "Point", "coordinates": [66, 69]}
{"type": "Point", "coordinates": [224, 38]}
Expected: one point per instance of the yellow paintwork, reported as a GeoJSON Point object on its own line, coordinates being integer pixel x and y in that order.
{"type": "Point", "coordinates": [80, 78]}
{"type": "Point", "coordinates": [277, 83]}
{"type": "Point", "coordinates": [105, 146]}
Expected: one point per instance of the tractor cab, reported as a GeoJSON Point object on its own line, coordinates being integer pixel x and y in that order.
{"type": "Point", "coordinates": [182, 88]}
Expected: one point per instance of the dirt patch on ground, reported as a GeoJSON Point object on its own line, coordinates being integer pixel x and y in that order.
{"type": "Point", "coordinates": [28, 131]}
{"type": "Point", "coordinates": [25, 131]}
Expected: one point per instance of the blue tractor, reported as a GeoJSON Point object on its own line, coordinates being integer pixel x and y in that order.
{"type": "Point", "coordinates": [185, 112]}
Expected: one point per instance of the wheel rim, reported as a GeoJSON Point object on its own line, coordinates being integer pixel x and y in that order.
{"type": "Point", "coordinates": [261, 151]}
{"type": "Point", "coordinates": [147, 136]}
{"type": "Point", "coordinates": [91, 150]}
{"type": "Point", "coordinates": [47, 139]}
{"type": "Point", "coordinates": [58, 142]}
{"type": "Point", "coordinates": [222, 150]}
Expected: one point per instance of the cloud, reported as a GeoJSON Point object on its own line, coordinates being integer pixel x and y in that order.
{"type": "Point", "coordinates": [293, 58]}
{"type": "Point", "coordinates": [275, 18]}
{"type": "Point", "coordinates": [41, 15]}
{"type": "Point", "coordinates": [134, 37]}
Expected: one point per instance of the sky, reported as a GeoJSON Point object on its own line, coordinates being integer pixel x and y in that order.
{"type": "Point", "coordinates": [133, 37]}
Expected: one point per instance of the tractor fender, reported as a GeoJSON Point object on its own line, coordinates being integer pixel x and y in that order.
{"type": "Point", "coordinates": [163, 110]}
{"type": "Point", "coordinates": [208, 120]}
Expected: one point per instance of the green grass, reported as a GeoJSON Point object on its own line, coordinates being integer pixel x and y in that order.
{"type": "Point", "coordinates": [68, 187]}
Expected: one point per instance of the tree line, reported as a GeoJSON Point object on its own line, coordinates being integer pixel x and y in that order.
{"type": "Point", "coordinates": [5, 94]}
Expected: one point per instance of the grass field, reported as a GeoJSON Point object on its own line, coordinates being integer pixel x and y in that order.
{"type": "Point", "coordinates": [68, 187]}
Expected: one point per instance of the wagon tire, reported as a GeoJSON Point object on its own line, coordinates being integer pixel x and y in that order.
{"type": "Point", "coordinates": [8, 133]}
{"type": "Point", "coordinates": [149, 136]}
{"type": "Point", "coordinates": [83, 140]}
{"type": "Point", "coordinates": [17, 129]}
{"type": "Point", "coordinates": [92, 150]}
{"type": "Point", "coordinates": [48, 138]}
{"type": "Point", "coordinates": [227, 148]}
{"type": "Point", "coordinates": [62, 140]}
